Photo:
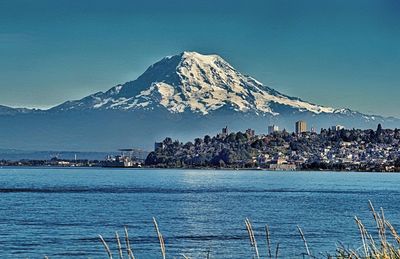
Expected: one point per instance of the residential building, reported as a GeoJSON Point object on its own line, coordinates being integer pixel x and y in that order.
{"type": "Point", "coordinates": [250, 132]}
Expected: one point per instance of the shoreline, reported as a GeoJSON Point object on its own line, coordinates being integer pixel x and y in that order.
{"type": "Point", "coordinates": [191, 168]}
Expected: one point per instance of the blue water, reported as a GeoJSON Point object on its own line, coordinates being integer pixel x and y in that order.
{"type": "Point", "coordinates": [60, 212]}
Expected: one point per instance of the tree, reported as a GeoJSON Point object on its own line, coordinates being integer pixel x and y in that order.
{"type": "Point", "coordinates": [198, 142]}
{"type": "Point", "coordinates": [240, 137]}
{"type": "Point", "coordinates": [177, 144]}
{"type": "Point", "coordinates": [379, 134]}
{"type": "Point", "coordinates": [227, 156]}
{"type": "Point", "coordinates": [221, 163]}
{"type": "Point", "coordinates": [397, 163]}
{"type": "Point", "coordinates": [207, 139]}
{"type": "Point", "coordinates": [258, 144]}
{"type": "Point", "coordinates": [151, 159]}
{"type": "Point", "coordinates": [188, 145]}
{"type": "Point", "coordinates": [379, 129]}
{"type": "Point", "coordinates": [167, 141]}
{"type": "Point", "coordinates": [231, 138]}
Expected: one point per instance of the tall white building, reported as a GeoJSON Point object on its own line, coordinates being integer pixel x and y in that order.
{"type": "Point", "coordinates": [301, 126]}
{"type": "Point", "coordinates": [272, 129]}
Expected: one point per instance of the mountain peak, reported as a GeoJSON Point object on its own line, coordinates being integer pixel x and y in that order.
{"type": "Point", "coordinates": [194, 82]}
{"type": "Point", "coordinates": [206, 58]}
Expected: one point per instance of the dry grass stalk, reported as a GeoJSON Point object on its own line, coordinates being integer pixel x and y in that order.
{"type": "Point", "coordinates": [380, 225]}
{"type": "Point", "coordinates": [382, 230]}
{"type": "Point", "coordinates": [129, 250]}
{"type": "Point", "coordinates": [393, 231]}
{"type": "Point", "coordinates": [277, 251]}
{"type": "Point", "coordinates": [160, 238]}
{"type": "Point", "coordinates": [267, 235]}
{"type": "Point", "coordinates": [252, 238]}
{"type": "Point", "coordinates": [208, 253]}
{"type": "Point", "coordinates": [363, 236]}
{"type": "Point", "coordinates": [304, 240]}
{"type": "Point", "coordinates": [119, 247]}
{"type": "Point", "coordinates": [106, 247]}
{"type": "Point", "coordinates": [379, 248]}
{"type": "Point", "coordinates": [385, 250]}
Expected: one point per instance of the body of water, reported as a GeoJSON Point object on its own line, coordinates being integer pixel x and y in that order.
{"type": "Point", "coordinates": [60, 212]}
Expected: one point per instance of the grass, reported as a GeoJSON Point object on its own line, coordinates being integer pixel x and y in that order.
{"type": "Point", "coordinates": [384, 245]}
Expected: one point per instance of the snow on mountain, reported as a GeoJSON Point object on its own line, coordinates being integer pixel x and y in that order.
{"type": "Point", "coordinates": [193, 82]}
{"type": "Point", "coordinates": [5, 110]}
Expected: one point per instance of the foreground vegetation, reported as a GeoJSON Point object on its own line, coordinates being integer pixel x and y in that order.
{"type": "Point", "coordinates": [385, 245]}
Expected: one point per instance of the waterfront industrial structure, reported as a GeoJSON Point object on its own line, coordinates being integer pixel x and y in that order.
{"type": "Point", "coordinates": [129, 157]}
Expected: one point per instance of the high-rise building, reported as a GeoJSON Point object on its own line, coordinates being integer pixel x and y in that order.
{"type": "Point", "coordinates": [272, 129]}
{"type": "Point", "coordinates": [225, 131]}
{"type": "Point", "coordinates": [337, 127]}
{"type": "Point", "coordinates": [301, 126]}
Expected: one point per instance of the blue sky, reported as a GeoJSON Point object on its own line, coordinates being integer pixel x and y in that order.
{"type": "Point", "coordinates": [336, 53]}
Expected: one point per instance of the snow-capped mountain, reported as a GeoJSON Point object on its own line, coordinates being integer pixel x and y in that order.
{"type": "Point", "coordinates": [193, 82]}
{"type": "Point", "coordinates": [183, 96]}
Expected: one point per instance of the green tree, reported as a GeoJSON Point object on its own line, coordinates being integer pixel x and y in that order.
{"type": "Point", "coordinates": [240, 137]}
{"type": "Point", "coordinates": [167, 141]}
{"type": "Point", "coordinates": [207, 139]}
{"type": "Point", "coordinates": [198, 141]}
{"type": "Point", "coordinates": [258, 144]}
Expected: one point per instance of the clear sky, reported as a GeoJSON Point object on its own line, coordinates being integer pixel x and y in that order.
{"type": "Point", "coordinates": [336, 53]}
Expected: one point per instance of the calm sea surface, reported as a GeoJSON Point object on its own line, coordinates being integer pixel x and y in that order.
{"type": "Point", "coordinates": [60, 212]}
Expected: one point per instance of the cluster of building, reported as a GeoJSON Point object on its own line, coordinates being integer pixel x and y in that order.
{"type": "Point", "coordinates": [330, 150]}
{"type": "Point", "coordinates": [128, 157]}
{"type": "Point", "coordinates": [335, 148]}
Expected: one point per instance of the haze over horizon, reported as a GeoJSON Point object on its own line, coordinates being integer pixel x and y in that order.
{"type": "Point", "coordinates": [337, 53]}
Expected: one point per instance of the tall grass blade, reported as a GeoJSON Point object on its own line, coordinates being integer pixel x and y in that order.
{"type": "Point", "coordinates": [267, 235]}
{"type": "Point", "coordinates": [252, 238]}
{"type": "Point", "coordinates": [304, 240]}
{"type": "Point", "coordinates": [277, 251]}
{"type": "Point", "coordinates": [128, 245]}
{"type": "Point", "coordinates": [119, 247]}
{"type": "Point", "coordinates": [160, 238]}
{"type": "Point", "coordinates": [106, 247]}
